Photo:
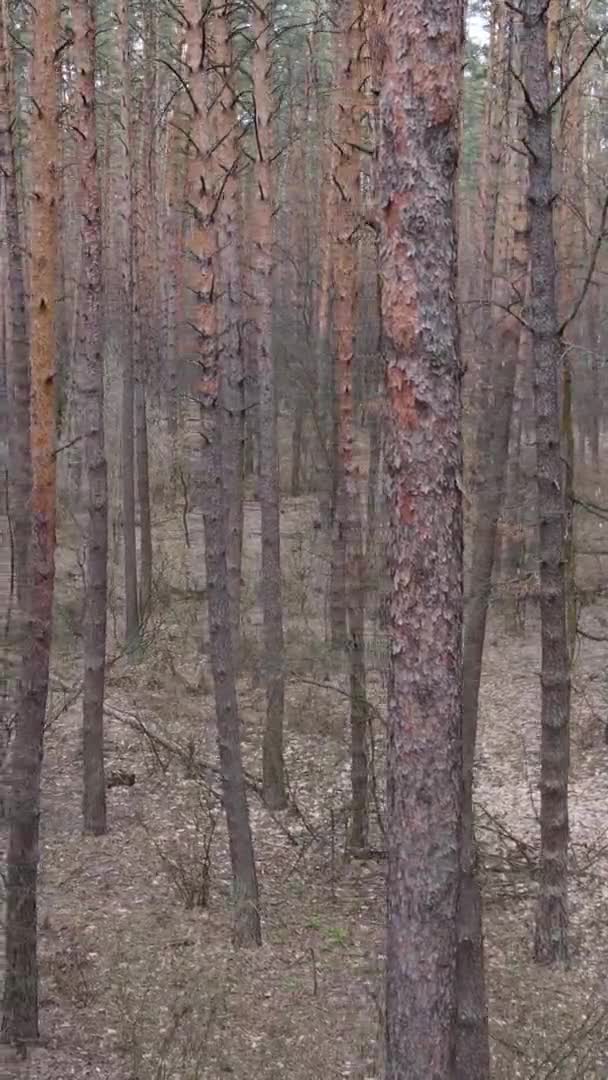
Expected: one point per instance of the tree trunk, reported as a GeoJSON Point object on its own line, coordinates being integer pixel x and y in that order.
{"type": "Point", "coordinates": [174, 231]}
{"type": "Point", "coordinates": [228, 157]}
{"type": "Point", "coordinates": [17, 370]}
{"type": "Point", "coordinates": [20, 1005]}
{"type": "Point", "coordinates": [348, 530]}
{"type": "Point", "coordinates": [274, 768]}
{"type": "Point", "coordinates": [91, 385]}
{"type": "Point", "coordinates": [296, 445]}
{"type": "Point", "coordinates": [507, 262]}
{"type": "Point", "coordinates": [204, 188]}
{"type": "Point", "coordinates": [143, 488]}
{"type": "Point", "coordinates": [551, 938]}
{"type": "Point", "coordinates": [144, 336]}
{"type": "Point", "coordinates": [124, 317]}
{"type": "Point", "coordinates": [419, 127]}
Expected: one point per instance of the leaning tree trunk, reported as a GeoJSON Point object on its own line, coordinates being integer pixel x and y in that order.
{"type": "Point", "coordinates": [419, 125]}
{"type": "Point", "coordinates": [20, 1004]}
{"type": "Point", "coordinates": [18, 371]}
{"type": "Point", "coordinates": [551, 937]}
{"type": "Point", "coordinates": [204, 193]}
{"type": "Point", "coordinates": [91, 385]}
{"type": "Point", "coordinates": [274, 768]}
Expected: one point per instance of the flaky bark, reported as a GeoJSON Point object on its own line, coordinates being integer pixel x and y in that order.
{"type": "Point", "coordinates": [17, 369]}
{"type": "Point", "coordinates": [204, 186]}
{"type": "Point", "coordinates": [551, 938]}
{"type": "Point", "coordinates": [348, 531]}
{"type": "Point", "coordinates": [91, 385]}
{"type": "Point", "coordinates": [274, 767]}
{"type": "Point", "coordinates": [20, 1005]}
{"type": "Point", "coordinates": [419, 127]}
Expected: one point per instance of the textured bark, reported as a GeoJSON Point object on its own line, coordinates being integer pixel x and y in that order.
{"type": "Point", "coordinates": [572, 257]}
{"type": "Point", "coordinates": [348, 530]}
{"type": "Point", "coordinates": [91, 384]}
{"type": "Point", "coordinates": [204, 188]}
{"type": "Point", "coordinates": [124, 314]}
{"type": "Point", "coordinates": [17, 368]}
{"type": "Point", "coordinates": [419, 127]}
{"type": "Point", "coordinates": [228, 161]}
{"type": "Point", "coordinates": [20, 1005]}
{"type": "Point", "coordinates": [551, 938]}
{"type": "Point", "coordinates": [273, 766]}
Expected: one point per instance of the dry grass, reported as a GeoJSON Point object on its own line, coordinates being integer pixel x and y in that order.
{"type": "Point", "coordinates": [139, 981]}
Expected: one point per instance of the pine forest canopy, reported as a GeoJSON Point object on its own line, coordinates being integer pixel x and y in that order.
{"type": "Point", "coordinates": [302, 566]}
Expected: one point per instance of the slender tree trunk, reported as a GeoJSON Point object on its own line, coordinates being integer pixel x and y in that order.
{"type": "Point", "coordinates": [508, 262]}
{"type": "Point", "coordinates": [572, 256]}
{"type": "Point", "coordinates": [228, 158]}
{"type": "Point", "coordinates": [17, 371]}
{"type": "Point", "coordinates": [324, 377]}
{"type": "Point", "coordinates": [419, 126]}
{"type": "Point", "coordinates": [143, 488]}
{"type": "Point", "coordinates": [124, 316]}
{"type": "Point", "coordinates": [20, 1004]}
{"type": "Point", "coordinates": [204, 188]}
{"type": "Point", "coordinates": [274, 768]}
{"type": "Point", "coordinates": [176, 170]}
{"type": "Point", "coordinates": [91, 382]}
{"type": "Point", "coordinates": [296, 445]}
{"type": "Point", "coordinates": [348, 534]}
{"type": "Point", "coordinates": [551, 939]}
{"type": "Point", "coordinates": [497, 93]}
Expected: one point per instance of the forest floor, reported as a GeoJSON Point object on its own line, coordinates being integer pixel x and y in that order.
{"type": "Point", "coordinates": [137, 986]}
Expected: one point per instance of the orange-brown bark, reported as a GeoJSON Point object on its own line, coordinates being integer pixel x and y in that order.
{"type": "Point", "coordinates": [419, 126]}
{"type": "Point", "coordinates": [20, 1004]}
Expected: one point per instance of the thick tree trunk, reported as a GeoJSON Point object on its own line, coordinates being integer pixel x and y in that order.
{"type": "Point", "coordinates": [551, 939]}
{"type": "Point", "coordinates": [204, 187]}
{"type": "Point", "coordinates": [20, 1004]}
{"type": "Point", "coordinates": [91, 384]}
{"type": "Point", "coordinates": [124, 316]}
{"type": "Point", "coordinates": [17, 369]}
{"type": "Point", "coordinates": [419, 126]}
{"type": "Point", "coordinates": [275, 793]}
